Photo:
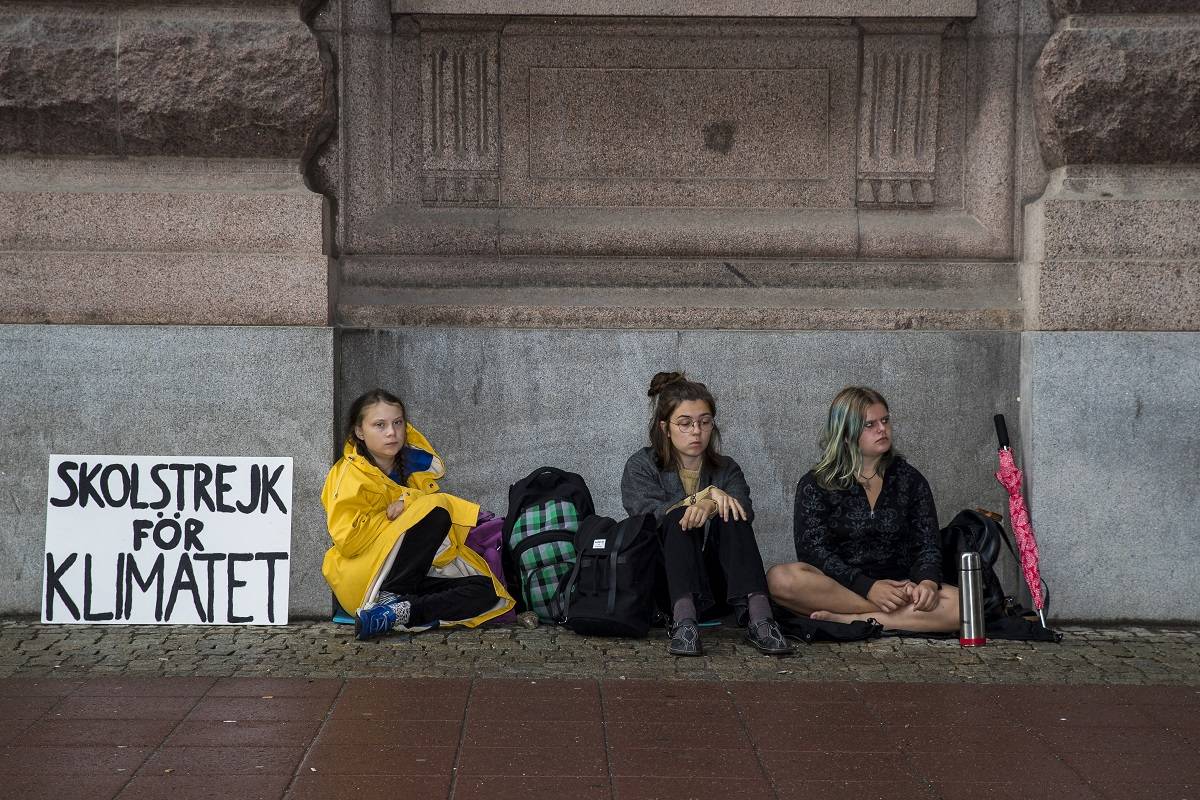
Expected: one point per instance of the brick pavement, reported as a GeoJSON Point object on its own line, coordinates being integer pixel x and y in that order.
{"type": "Point", "coordinates": [306, 713]}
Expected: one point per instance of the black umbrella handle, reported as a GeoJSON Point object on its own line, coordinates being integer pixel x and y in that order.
{"type": "Point", "coordinates": [1001, 431]}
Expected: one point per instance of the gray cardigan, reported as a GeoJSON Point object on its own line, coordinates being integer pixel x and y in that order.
{"type": "Point", "coordinates": [646, 489]}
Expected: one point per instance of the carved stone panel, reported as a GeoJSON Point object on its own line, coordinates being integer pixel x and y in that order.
{"type": "Point", "coordinates": [898, 113]}
{"type": "Point", "coordinates": [766, 124]}
{"type": "Point", "coordinates": [653, 115]}
{"type": "Point", "coordinates": [459, 118]}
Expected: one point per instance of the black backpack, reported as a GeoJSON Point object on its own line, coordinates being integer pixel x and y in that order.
{"type": "Point", "coordinates": [544, 512]}
{"type": "Point", "coordinates": [973, 531]}
{"type": "Point", "coordinates": [610, 592]}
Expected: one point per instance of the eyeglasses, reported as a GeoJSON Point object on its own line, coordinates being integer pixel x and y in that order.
{"type": "Point", "coordinates": [687, 423]}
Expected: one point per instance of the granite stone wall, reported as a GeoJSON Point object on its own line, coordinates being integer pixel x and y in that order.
{"type": "Point", "coordinates": [1111, 284]}
{"type": "Point", "coordinates": [1114, 471]}
{"type": "Point", "coordinates": [150, 164]}
{"type": "Point", "coordinates": [161, 390]}
{"type": "Point", "coordinates": [514, 212]}
{"type": "Point", "coordinates": [500, 403]}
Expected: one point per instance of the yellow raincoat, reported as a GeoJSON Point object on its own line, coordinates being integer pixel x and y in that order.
{"type": "Point", "coordinates": [356, 496]}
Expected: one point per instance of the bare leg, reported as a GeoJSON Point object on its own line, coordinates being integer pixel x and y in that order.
{"type": "Point", "coordinates": [943, 618]}
{"type": "Point", "coordinates": [804, 589]}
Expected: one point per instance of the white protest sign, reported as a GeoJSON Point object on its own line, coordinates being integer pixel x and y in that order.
{"type": "Point", "coordinates": [167, 540]}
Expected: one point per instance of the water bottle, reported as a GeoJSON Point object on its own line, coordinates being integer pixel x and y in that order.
{"type": "Point", "coordinates": [970, 601]}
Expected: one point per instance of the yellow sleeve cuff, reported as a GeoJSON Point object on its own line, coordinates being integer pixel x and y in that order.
{"type": "Point", "coordinates": [693, 499]}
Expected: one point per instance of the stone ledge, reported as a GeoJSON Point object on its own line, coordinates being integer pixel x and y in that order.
{"type": "Point", "coordinates": [582, 317]}
{"type": "Point", "coordinates": [694, 8]}
{"type": "Point", "coordinates": [1063, 8]}
{"type": "Point", "coordinates": [161, 174]}
{"type": "Point", "coordinates": [158, 205]}
{"type": "Point", "coordinates": [678, 293]}
{"type": "Point", "coordinates": [440, 272]}
{"type": "Point", "coordinates": [660, 308]}
{"type": "Point", "coordinates": [164, 288]}
{"type": "Point", "coordinates": [146, 221]}
{"type": "Point", "coordinates": [681, 232]}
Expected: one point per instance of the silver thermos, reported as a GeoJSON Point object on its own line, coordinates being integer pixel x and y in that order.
{"type": "Point", "coordinates": [970, 601]}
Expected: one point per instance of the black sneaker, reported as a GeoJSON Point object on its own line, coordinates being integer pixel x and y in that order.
{"type": "Point", "coordinates": [766, 636]}
{"type": "Point", "coordinates": [685, 639]}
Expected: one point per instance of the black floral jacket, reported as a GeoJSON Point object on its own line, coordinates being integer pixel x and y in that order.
{"type": "Point", "coordinates": [838, 533]}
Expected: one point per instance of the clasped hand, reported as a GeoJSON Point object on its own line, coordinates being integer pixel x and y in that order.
{"type": "Point", "coordinates": [717, 502]}
{"type": "Point", "coordinates": [889, 595]}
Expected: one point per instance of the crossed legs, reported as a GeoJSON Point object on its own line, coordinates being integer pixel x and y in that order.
{"type": "Point", "coordinates": [807, 591]}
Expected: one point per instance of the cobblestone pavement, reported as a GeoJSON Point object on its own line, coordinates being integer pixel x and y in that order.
{"type": "Point", "coordinates": [1086, 655]}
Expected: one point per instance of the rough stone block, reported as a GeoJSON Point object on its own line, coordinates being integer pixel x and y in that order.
{"type": "Point", "coordinates": [218, 85]}
{"type": "Point", "coordinates": [76, 53]}
{"type": "Point", "coordinates": [161, 391]}
{"type": "Point", "coordinates": [1120, 94]}
{"type": "Point", "coordinates": [1112, 475]}
{"type": "Point", "coordinates": [161, 79]}
{"type": "Point", "coordinates": [499, 403]}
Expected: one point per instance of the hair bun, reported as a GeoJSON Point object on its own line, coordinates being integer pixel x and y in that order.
{"type": "Point", "coordinates": [662, 380]}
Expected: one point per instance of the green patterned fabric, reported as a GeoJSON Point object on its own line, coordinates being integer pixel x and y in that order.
{"type": "Point", "coordinates": [544, 564]}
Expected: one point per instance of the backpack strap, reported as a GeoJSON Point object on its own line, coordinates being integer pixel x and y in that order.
{"type": "Point", "coordinates": [613, 553]}
{"type": "Point", "coordinates": [1008, 542]}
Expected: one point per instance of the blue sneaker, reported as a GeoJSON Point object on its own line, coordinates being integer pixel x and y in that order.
{"type": "Point", "coordinates": [374, 621]}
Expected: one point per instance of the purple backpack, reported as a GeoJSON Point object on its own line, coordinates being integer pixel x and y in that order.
{"type": "Point", "coordinates": [486, 539]}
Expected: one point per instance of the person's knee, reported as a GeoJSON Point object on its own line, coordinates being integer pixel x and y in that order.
{"type": "Point", "coordinates": [783, 580]}
{"type": "Point", "coordinates": [948, 599]}
{"type": "Point", "coordinates": [672, 517]}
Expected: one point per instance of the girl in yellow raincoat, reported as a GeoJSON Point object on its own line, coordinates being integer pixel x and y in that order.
{"type": "Point", "coordinates": [399, 552]}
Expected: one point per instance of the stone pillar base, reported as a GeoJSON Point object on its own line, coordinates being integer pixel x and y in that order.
{"type": "Point", "coordinates": [1114, 248]}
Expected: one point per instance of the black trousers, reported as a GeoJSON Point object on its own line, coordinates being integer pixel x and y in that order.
{"type": "Point", "coordinates": [728, 566]}
{"type": "Point", "coordinates": [434, 598]}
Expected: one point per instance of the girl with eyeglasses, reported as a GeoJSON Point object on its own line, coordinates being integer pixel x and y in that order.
{"type": "Point", "coordinates": [866, 529]}
{"type": "Point", "coordinates": [702, 503]}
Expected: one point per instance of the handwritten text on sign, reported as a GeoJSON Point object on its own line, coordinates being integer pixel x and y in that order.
{"type": "Point", "coordinates": [141, 539]}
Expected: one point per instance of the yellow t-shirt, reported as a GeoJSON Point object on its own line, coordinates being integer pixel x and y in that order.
{"type": "Point", "coordinates": [690, 478]}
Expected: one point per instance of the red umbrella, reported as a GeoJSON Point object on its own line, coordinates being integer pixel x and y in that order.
{"type": "Point", "coordinates": [1010, 476]}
